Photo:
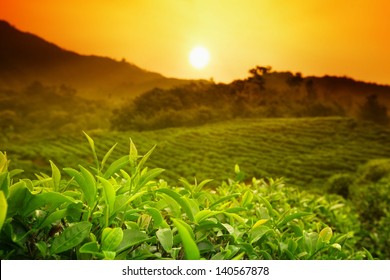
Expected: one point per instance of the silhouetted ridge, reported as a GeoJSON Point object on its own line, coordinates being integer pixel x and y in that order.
{"type": "Point", "coordinates": [26, 58]}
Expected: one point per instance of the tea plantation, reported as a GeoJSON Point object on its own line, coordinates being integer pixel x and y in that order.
{"type": "Point", "coordinates": [93, 199]}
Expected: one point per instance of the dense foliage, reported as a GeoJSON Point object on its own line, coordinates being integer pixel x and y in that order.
{"type": "Point", "coordinates": [39, 108]}
{"type": "Point", "coordinates": [262, 95]}
{"type": "Point", "coordinates": [122, 210]}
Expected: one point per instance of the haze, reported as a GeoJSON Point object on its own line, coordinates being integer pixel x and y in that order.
{"type": "Point", "coordinates": [343, 38]}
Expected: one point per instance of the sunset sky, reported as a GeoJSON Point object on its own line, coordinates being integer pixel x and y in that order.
{"type": "Point", "coordinates": [342, 38]}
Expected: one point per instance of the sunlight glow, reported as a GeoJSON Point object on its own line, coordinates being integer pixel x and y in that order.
{"type": "Point", "coordinates": [199, 57]}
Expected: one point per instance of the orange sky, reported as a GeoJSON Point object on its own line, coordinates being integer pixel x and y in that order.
{"type": "Point", "coordinates": [350, 37]}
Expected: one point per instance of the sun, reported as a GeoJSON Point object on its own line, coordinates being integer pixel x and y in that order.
{"type": "Point", "coordinates": [199, 57]}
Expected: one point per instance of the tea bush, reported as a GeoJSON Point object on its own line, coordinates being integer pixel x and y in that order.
{"type": "Point", "coordinates": [122, 211]}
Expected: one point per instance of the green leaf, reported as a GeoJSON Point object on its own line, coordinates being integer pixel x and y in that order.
{"type": "Point", "coordinates": [186, 185]}
{"type": "Point", "coordinates": [111, 238]}
{"type": "Point", "coordinates": [282, 221]}
{"type": "Point", "coordinates": [145, 158]}
{"type": "Point", "coordinates": [42, 247]}
{"type": "Point", "coordinates": [326, 234]}
{"type": "Point", "coordinates": [56, 176]}
{"type": "Point", "coordinates": [338, 247]}
{"type": "Point", "coordinates": [131, 237]}
{"type": "Point", "coordinates": [90, 248]}
{"type": "Point", "coordinates": [199, 187]}
{"type": "Point", "coordinates": [70, 237]}
{"type": "Point", "coordinates": [236, 217]}
{"type": "Point", "coordinates": [269, 207]}
{"type": "Point", "coordinates": [107, 155]}
{"type": "Point", "coordinates": [90, 184]}
{"type": "Point", "coordinates": [92, 145]}
{"type": "Point", "coordinates": [51, 199]}
{"type": "Point", "coordinates": [205, 214]}
{"type": "Point", "coordinates": [3, 209]}
{"type": "Point", "coordinates": [116, 166]}
{"type": "Point", "coordinates": [133, 156]}
{"type": "Point", "coordinates": [109, 194]}
{"type": "Point", "coordinates": [190, 248]}
{"type": "Point", "coordinates": [3, 162]}
{"type": "Point", "coordinates": [157, 217]}
{"type": "Point", "coordinates": [239, 256]}
{"type": "Point", "coordinates": [259, 223]}
{"type": "Point", "coordinates": [124, 199]}
{"type": "Point", "coordinates": [88, 190]}
{"type": "Point", "coordinates": [4, 183]}
{"type": "Point", "coordinates": [369, 256]}
{"type": "Point", "coordinates": [19, 199]}
{"type": "Point", "coordinates": [109, 255]}
{"type": "Point", "coordinates": [311, 241]}
{"type": "Point", "coordinates": [165, 237]}
{"type": "Point", "coordinates": [259, 232]}
{"type": "Point", "coordinates": [186, 207]}
{"type": "Point", "coordinates": [53, 217]}
{"type": "Point", "coordinates": [145, 178]}
{"type": "Point", "coordinates": [247, 198]}
{"type": "Point", "coordinates": [225, 198]}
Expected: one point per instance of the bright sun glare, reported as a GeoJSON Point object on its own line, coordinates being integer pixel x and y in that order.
{"type": "Point", "coordinates": [199, 57]}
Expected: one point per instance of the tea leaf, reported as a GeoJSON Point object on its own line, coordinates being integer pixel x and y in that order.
{"type": "Point", "coordinates": [4, 183]}
{"type": "Point", "coordinates": [88, 194]}
{"type": "Point", "coordinates": [131, 237]}
{"type": "Point", "coordinates": [145, 178]}
{"type": "Point", "coordinates": [338, 247]}
{"type": "Point", "coordinates": [145, 158]}
{"type": "Point", "coordinates": [326, 234]}
{"type": "Point", "coordinates": [165, 237]}
{"type": "Point", "coordinates": [225, 198]}
{"type": "Point", "coordinates": [259, 232]}
{"type": "Point", "coordinates": [92, 145]}
{"type": "Point", "coordinates": [53, 217]}
{"type": "Point", "coordinates": [186, 207]}
{"type": "Point", "coordinates": [269, 207]}
{"type": "Point", "coordinates": [282, 221]}
{"type": "Point", "coordinates": [205, 214]}
{"type": "Point", "coordinates": [56, 175]}
{"type": "Point", "coordinates": [133, 156]}
{"type": "Point", "coordinates": [4, 162]}
{"type": "Point", "coordinates": [259, 223]}
{"type": "Point", "coordinates": [109, 194]}
{"type": "Point", "coordinates": [157, 217]}
{"type": "Point", "coordinates": [111, 238]}
{"type": "Point", "coordinates": [3, 208]}
{"type": "Point", "coordinates": [116, 166]}
{"type": "Point", "coordinates": [107, 155]}
{"type": "Point", "coordinates": [90, 184]}
{"type": "Point", "coordinates": [247, 198]}
{"type": "Point", "coordinates": [109, 255]}
{"type": "Point", "coordinates": [19, 199]}
{"type": "Point", "coordinates": [190, 248]}
{"type": "Point", "coordinates": [236, 217]}
{"type": "Point", "coordinates": [199, 187]}
{"type": "Point", "coordinates": [90, 248]}
{"type": "Point", "coordinates": [50, 199]}
{"type": "Point", "coordinates": [70, 237]}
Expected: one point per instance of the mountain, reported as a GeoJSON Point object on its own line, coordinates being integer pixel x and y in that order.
{"type": "Point", "coordinates": [26, 58]}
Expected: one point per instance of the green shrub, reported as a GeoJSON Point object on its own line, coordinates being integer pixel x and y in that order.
{"type": "Point", "coordinates": [374, 170]}
{"type": "Point", "coordinates": [340, 184]}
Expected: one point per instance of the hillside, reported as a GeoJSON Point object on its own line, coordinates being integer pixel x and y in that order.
{"type": "Point", "coordinates": [26, 58]}
{"type": "Point", "coordinates": [307, 151]}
